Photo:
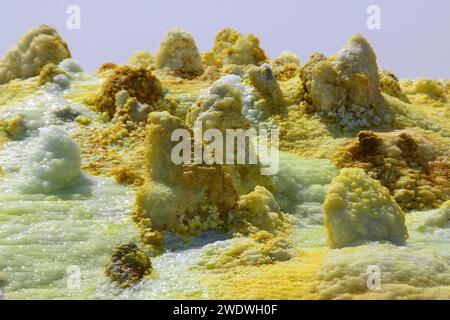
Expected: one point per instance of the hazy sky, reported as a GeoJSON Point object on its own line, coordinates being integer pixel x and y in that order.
{"type": "Point", "coordinates": [414, 40]}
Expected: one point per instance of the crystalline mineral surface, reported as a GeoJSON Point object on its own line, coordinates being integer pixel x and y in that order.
{"type": "Point", "coordinates": [87, 174]}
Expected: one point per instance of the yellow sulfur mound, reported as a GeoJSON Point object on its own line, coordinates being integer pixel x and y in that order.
{"type": "Point", "coordinates": [258, 249]}
{"type": "Point", "coordinates": [346, 88]}
{"type": "Point", "coordinates": [219, 108]}
{"type": "Point", "coordinates": [40, 46]}
{"type": "Point", "coordinates": [305, 74]}
{"type": "Point", "coordinates": [185, 198]}
{"type": "Point", "coordinates": [359, 209]}
{"type": "Point", "coordinates": [48, 73]}
{"type": "Point", "coordinates": [405, 273]}
{"type": "Point", "coordinates": [189, 198]}
{"type": "Point", "coordinates": [357, 59]}
{"type": "Point", "coordinates": [231, 47]}
{"type": "Point", "coordinates": [263, 79]}
{"type": "Point", "coordinates": [426, 91]}
{"type": "Point", "coordinates": [127, 265]}
{"type": "Point", "coordinates": [413, 166]}
{"type": "Point", "coordinates": [390, 84]}
{"type": "Point", "coordinates": [142, 59]}
{"type": "Point", "coordinates": [258, 210]}
{"type": "Point", "coordinates": [286, 66]}
{"type": "Point", "coordinates": [139, 83]}
{"type": "Point", "coordinates": [179, 55]}
{"type": "Point", "coordinates": [325, 91]}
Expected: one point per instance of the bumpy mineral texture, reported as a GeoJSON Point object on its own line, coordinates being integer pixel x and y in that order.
{"type": "Point", "coordinates": [359, 209]}
{"type": "Point", "coordinates": [179, 55]}
{"type": "Point", "coordinates": [412, 166]}
{"type": "Point", "coordinates": [139, 83]}
{"type": "Point", "coordinates": [345, 88]}
{"type": "Point", "coordinates": [128, 264]}
{"type": "Point", "coordinates": [35, 49]}
{"type": "Point", "coordinates": [232, 47]}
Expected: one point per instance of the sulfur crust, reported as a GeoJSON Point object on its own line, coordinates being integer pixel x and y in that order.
{"type": "Point", "coordinates": [358, 209]}
{"type": "Point", "coordinates": [438, 219]}
{"type": "Point", "coordinates": [179, 55]}
{"type": "Point", "coordinates": [426, 91]}
{"type": "Point", "coordinates": [286, 66]}
{"type": "Point", "coordinates": [411, 164]}
{"type": "Point", "coordinates": [142, 59]}
{"type": "Point", "coordinates": [234, 272]}
{"type": "Point", "coordinates": [18, 90]}
{"type": "Point", "coordinates": [259, 249]}
{"type": "Point", "coordinates": [174, 196]}
{"type": "Point", "coordinates": [406, 273]}
{"type": "Point", "coordinates": [140, 83]}
{"type": "Point", "coordinates": [253, 266]}
{"type": "Point", "coordinates": [232, 47]}
{"type": "Point", "coordinates": [295, 280]}
{"type": "Point", "coordinates": [263, 79]}
{"type": "Point", "coordinates": [40, 46]}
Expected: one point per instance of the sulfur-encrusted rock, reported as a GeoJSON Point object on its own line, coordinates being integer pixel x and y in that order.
{"type": "Point", "coordinates": [359, 209]}
{"type": "Point", "coordinates": [259, 209]}
{"type": "Point", "coordinates": [264, 81]}
{"type": "Point", "coordinates": [411, 165]}
{"type": "Point", "coordinates": [232, 47]}
{"type": "Point", "coordinates": [258, 249]}
{"type": "Point", "coordinates": [358, 60]}
{"type": "Point", "coordinates": [49, 72]}
{"type": "Point", "coordinates": [286, 66]}
{"type": "Point", "coordinates": [183, 198]}
{"type": "Point", "coordinates": [35, 49]}
{"type": "Point", "coordinates": [221, 107]}
{"type": "Point", "coordinates": [346, 88]}
{"type": "Point", "coordinates": [139, 83]}
{"type": "Point", "coordinates": [142, 59]}
{"type": "Point", "coordinates": [390, 85]}
{"type": "Point", "coordinates": [188, 198]}
{"type": "Point", "coordinates": [128, 108]}
{"type": "Point", "coordinates": [128, 264]}
{"type": "Point", "coordinates": [307, 69]}
{"type": "Point", "coordinates": [325, 91]}
{"type": "Point", "coordinates": [179, 55]}
{"type": "Point", "coordinates": [218, 108]}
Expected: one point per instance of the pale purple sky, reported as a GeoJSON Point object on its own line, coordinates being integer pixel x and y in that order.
{"type": "Point", "coordinates": [414, 40]}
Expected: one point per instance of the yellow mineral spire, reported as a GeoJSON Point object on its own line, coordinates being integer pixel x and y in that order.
{"type": "Point", "coordinates": [179, 55]}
